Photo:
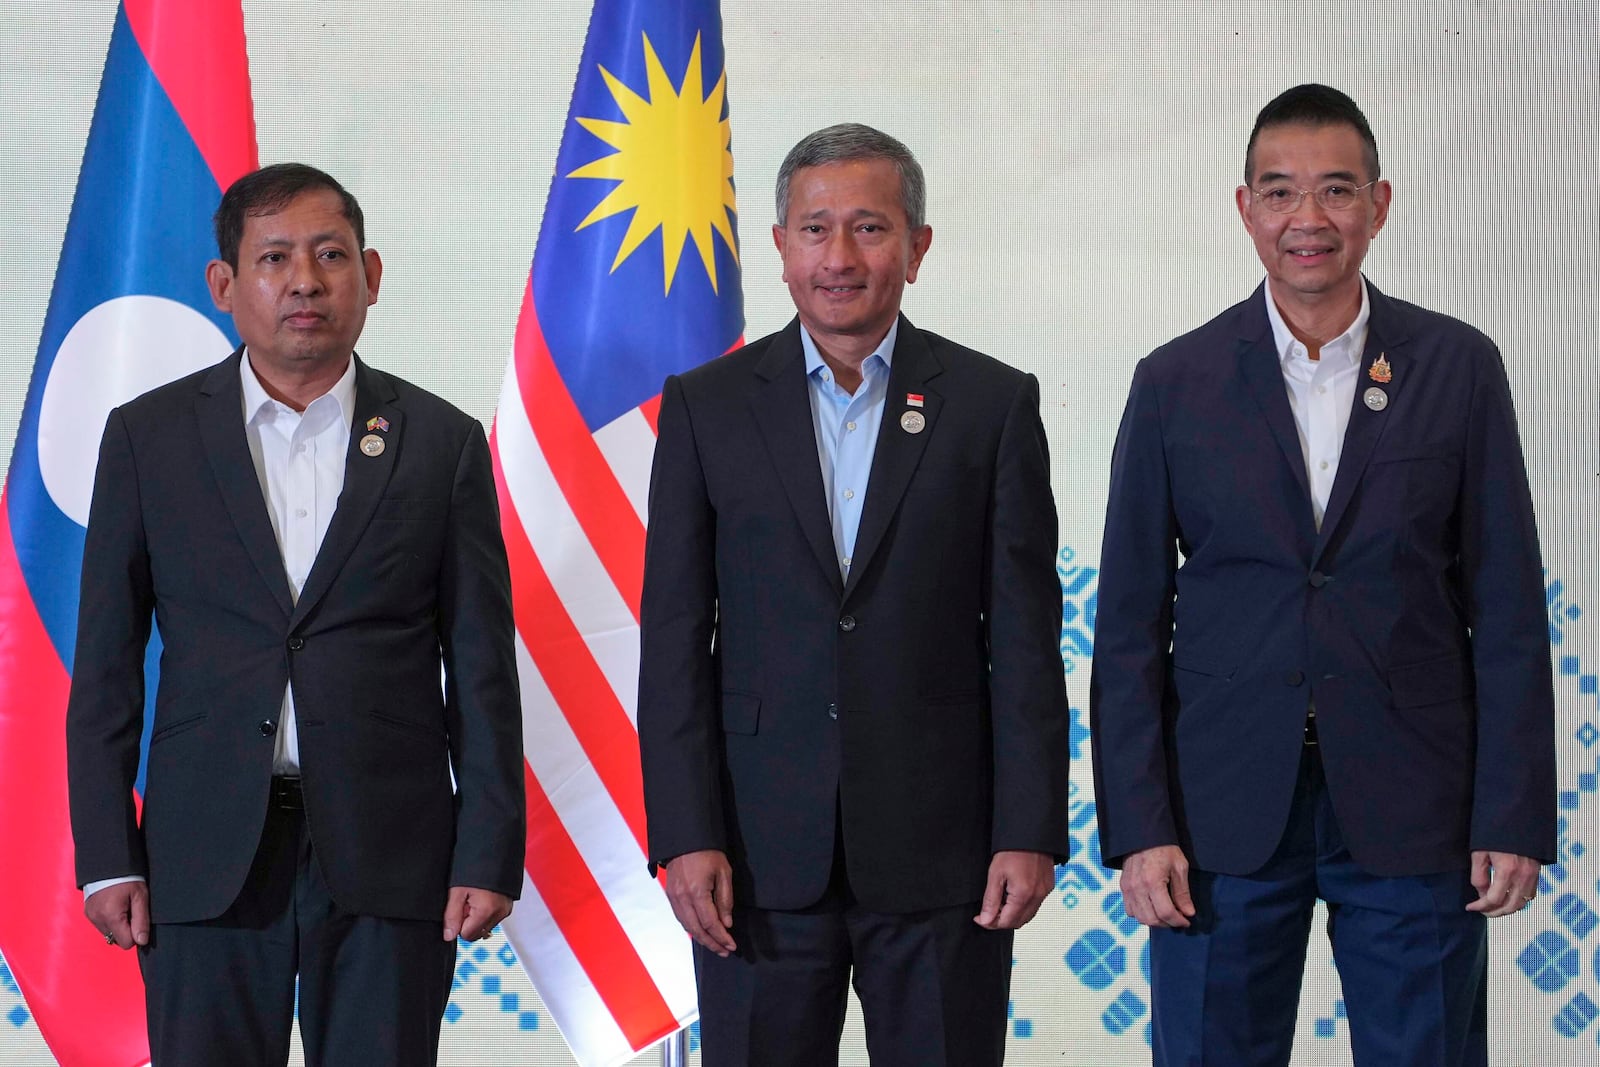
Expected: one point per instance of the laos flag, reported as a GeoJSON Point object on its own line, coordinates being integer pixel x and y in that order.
{"type": "Point", "coordinates": [129, 311]}
{"type": "Point", "coordinates": [635, 277]}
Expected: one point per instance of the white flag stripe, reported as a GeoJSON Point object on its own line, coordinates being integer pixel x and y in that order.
{"type": "Point", "coordinates": [629, 445]}
{"type": "Point", "coordinates": [579, 578]}
{"type": "Point", "coordinates": [603, 840]}
{"type": "Point", "coordinates": [574, 1005]}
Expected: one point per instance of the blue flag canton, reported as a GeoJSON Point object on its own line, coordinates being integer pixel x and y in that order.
{"type": "Point", "coordinates": [637, 270]}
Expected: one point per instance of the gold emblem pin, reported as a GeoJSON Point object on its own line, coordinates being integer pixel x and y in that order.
{"type": "Point", "coordinates": [1375, 398]}
{"type": "Point", "coordinates": [913, 422]}
{"type": "Point", "coordinates": [372, 445]}
{"type": "Point", "coordinates": [1380, 371]}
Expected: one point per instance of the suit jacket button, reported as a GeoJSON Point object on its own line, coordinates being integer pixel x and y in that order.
{"type": "Point", "coordinates": [833, 711]}
{"type": "Point", "coordinates": [847, 623]}
{"type": "Point", "coordinates": [1318, 579]}
{"type": "Point", "coordinates": [296, 644]}
{"type": "Point", "coordinates": [267, 727]}
{"type": "Point", "coordinates": [1293, 678]}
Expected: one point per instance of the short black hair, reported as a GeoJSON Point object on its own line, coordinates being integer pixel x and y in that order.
{"type": "Point", "coordinates": [1312, 105]}
{"type": "Point", "coordinates": [264, 191]}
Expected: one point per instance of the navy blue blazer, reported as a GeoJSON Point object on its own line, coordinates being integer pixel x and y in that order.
{"type": "Point", "coordinates": [918, 709]}
{"type": "Point", "coordinates": [1414, 620]}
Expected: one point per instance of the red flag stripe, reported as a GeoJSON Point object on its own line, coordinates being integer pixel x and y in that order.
{"type": "Point", "coordinates": [57, 959]}
{"type": "Point", "coordinates": [586, 479]}
{"type": "Point", "coordinates": [196, 50]}
{"type": "Point", "coordinates": [576, 682]}
{"type": "Point", "coordinates": [579, 907]}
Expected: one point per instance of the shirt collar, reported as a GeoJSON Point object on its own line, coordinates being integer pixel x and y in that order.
{"type": "Point", "coordinates": [257, 402]}
{"type": "Point", "coordinates": [1346, 348]}
{"type": "Point", "coordinates": [884, 352]}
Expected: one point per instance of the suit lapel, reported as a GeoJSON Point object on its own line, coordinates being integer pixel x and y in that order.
{"type": "Point", "coordinates": [1262, 372]}
{"type": "Point", "coordinates": [898, 451]}
{"type": "Point", "coordinates": [1386, 334]}
{"type": "Point", "coordinates": [220, 412]}
{"type": "Point", "coordinates": [781, 408]}
{"type": "Point", "coordinates": [364, 480]}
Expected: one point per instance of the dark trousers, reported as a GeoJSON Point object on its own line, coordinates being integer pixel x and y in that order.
{"type": "Point", "coordinates": [1411, 959]}
{"type": "Point", "coordinates": [934, 986]}
{"type": "Point", "coordinates": [372, 991]}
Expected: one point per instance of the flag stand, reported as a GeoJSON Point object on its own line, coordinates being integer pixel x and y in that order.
{"type": "Point", "coordinates": [675, 1050]}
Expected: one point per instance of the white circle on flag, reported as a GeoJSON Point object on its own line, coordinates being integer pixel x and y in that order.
{"type": "Point", "coordinates": [119, 349]}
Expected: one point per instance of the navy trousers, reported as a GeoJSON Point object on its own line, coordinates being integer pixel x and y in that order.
{"type": "Point", "coordinates": [1411, 960]}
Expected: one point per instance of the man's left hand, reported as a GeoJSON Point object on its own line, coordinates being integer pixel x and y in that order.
{"type": "Point", "coordinates": [1018, 883]}
{"type": "Point", "coordinates": [1506, 883]}
{"type": "Point", "coordinates": [472, 914]}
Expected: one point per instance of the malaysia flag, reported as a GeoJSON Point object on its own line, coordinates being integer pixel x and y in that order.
{"type": "Point", "coordinates": [129, 310]}
{"type": "Point", "coordinates": [635, 277]}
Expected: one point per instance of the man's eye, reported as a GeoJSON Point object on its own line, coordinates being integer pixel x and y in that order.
{"type": "Point", "coordinates": [870, 227]}
{"type": "Point", "coordinates": [272, 257]}
{"type": "Point", "coordinates": [1276, 192]}
{"type": "Point", "coordinates": [1338, 193]}
{"type": "Point", "coordinates": [332, 253]}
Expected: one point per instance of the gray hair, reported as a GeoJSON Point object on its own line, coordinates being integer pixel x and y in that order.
{"type": "Point", "coordinates": [848, 142]}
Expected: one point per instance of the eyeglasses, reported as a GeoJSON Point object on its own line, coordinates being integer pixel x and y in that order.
{"type": "Point", "coordinates": [1330, 196]}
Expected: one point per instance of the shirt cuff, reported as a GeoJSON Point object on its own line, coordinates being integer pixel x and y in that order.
{"type": "Point", "coordinates": [92, 888]}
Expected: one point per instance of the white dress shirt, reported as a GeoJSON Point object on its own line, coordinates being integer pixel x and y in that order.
{"type": "Point", "coordinates": [1321, 392]}
{"type": "Point", "coordinates": [299, 460]}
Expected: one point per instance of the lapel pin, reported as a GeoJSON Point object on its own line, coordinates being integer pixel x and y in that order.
{"type": "Point", "coordinates": [378, 422]}
{"type": "Point", "coordinates": [1381, 373]}
{"type": "Point", "coordinates": [913, 400]}
{"type": "Point", "coordinates": [372, 444]}
{"type": "Point", "coordinates": [1375, 398]}
{"type": "Point", "coordinates": [913, 422]}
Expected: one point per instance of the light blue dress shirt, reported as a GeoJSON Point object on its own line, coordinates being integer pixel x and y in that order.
{"type": "Point", "coordinates": [847, 435]}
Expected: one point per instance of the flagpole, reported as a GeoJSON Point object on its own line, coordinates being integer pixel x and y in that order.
{"type": "Point", "coordinates": [675, 1050]}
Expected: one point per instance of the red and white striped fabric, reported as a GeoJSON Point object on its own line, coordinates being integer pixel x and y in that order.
{"type": "Point", "coordinates": [593, 929]}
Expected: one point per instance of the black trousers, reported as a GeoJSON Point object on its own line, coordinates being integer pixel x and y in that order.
{"type": "Point", "coordinates": [934, 986]}
{"type": "Point", "coordinates": [372, 991]}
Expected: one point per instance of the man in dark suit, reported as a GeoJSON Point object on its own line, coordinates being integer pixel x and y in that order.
{"type": "Point", "coordinates": [1343, 689]}
{"type": "Point", "coordinates": [314, 539]}
{"type": "Point", "coordinates": [851, 709]}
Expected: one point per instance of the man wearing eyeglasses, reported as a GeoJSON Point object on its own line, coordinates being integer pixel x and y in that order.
{"type": "Point", "coordinates": [1321, 665]}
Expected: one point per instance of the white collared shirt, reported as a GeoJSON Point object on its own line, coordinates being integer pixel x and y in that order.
{"type": "Point", "coordinates": [1321, 392]}
{"type": "Point", "coordinates": [299, 459]}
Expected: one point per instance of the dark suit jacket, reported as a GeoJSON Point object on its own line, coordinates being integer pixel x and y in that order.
{"type": "Point", "coordinates": [921, 706]}
{"type": "Point", "coordinates": [1414, 621]}
{"type": "Point", "coordinates": [411, 574]}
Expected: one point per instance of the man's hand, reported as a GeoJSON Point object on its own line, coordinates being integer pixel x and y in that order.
{"type": "Point", "coordinates": [1506, 883]}
{"type": "Point", "coordinates": [472, 914]}
{"type": "Point", "coordinates": [1155, 887]}
{"type": "Point", "coordinates": [1018, 883]}
{"type": "Point", "coordinates": [121, 912]}
{"type": "Point", "coordinates": [700, 887]}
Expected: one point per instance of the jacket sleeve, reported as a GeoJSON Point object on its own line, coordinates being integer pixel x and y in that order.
{"type": "Point", "coordinates": [1514, 792]}
{"type": "Point", "coordinates": [105, 712]}
{"type": "Point", "coordinates": [1133, 636]}
{"type": "Point", "coordinates": [483, 707]}
{"type": "Point", "coordinates": [678, 716]}
{"type": "Point", "coordinates": [1027, 689]}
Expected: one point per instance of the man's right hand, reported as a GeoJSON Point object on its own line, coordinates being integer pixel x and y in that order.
{"type": "Point", "coordinates": [700, 887]}
{"type": "Point", "coordinates": [121, 912]}
{"type": "Point", "coordinates": [1155, 887]}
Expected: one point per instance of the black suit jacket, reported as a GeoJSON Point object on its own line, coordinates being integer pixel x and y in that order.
{"type": "Point", "coordinates": [411, 575]}
{"type": "Point", "coordinates": [920, 707]}
{"type": "Point", "coordinates": [1414, 620]}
